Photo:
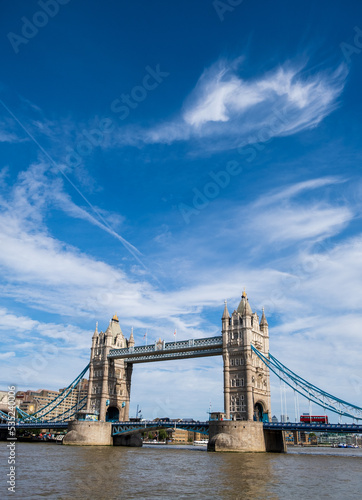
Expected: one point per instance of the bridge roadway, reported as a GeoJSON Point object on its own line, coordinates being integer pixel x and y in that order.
{"type": "Point", "coordinates": [125, 428]}
{"type": "Point", "coordinates": [202, 427]}
{"type": "Point", "coordinates": [161, 350]}
{"type": "Point", "coordinates": [315, 427]}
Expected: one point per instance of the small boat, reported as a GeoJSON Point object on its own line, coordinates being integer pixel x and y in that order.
{"type": "Point", "coordinates": [201, 442]}
{"type": "Point", "coordinates": [155, 442]}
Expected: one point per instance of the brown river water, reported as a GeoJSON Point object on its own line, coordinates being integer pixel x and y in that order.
{"type": "Point", "coordinates": [183, 472]}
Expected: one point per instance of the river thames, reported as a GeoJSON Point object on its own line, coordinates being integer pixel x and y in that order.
{"type": "Point", "coordinates": [170, 472]}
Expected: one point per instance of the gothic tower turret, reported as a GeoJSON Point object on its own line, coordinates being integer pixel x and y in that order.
{"type": "Point", "coordinates": [109, 380]}
{"type": "Point", "coordinates": [131, 340]}
{"type": "Point", "coordinates": [246, 378]}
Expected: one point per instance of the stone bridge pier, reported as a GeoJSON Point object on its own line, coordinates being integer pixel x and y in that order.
{"type": "Point", "coordinates": [246, 385]}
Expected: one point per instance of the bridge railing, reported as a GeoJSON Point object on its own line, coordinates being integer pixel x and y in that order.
{"type": "Point", "coordinates": [132, 427]}
{"type": "Point", "coordinates": [191, 344]}
{"type": "Point", "coordinates": [313, 426]}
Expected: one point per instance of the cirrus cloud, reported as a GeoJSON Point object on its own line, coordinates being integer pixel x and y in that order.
{"type": "Point", "coordinates": [224, 110]}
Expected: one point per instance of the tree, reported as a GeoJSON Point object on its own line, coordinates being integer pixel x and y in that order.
{"type": "Point", "coordinates": [162, 435]}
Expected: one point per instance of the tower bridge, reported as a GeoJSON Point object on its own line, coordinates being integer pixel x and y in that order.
{"type": "Point", "coordinates": [246, 377]}
{"type": "Point", "coordinates": [244, 425]}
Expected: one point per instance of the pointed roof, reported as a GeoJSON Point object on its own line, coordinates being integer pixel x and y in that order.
{"type": "Point", "coordinates": [226, 314]}
{"type": "Point", "coordinates": [115, 318]}
{"type": "Point", "coordinates": [131, 339]}
{"type": "Point", "coordinates": [95, 334]}
{"type": "Point", "coordinates": [244, 306]}
{"type": "Point", "coordinates": [109, 329]}
{"type": "Point", "coordinates": [263, 321]}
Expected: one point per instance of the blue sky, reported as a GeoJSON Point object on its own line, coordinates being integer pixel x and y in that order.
{"type": "Point", "coordinates": [157, 158]}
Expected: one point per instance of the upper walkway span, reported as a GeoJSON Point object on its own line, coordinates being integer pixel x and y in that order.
{"type": "Point", "coordinates": [161, 351]}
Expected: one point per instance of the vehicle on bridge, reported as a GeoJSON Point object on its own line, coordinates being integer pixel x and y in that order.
{"type": "Point", "coordinates": [320, 419]}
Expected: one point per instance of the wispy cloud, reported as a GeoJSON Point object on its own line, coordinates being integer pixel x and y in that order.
{"type": "Point", "coordinates": [285, 193]}
{"type": "Point", "coordinates": [225, 110]}
{"type": "Point", "coordinates": [92, 213]}
{"type": "Point", "coordinates": [283, 217]}
{"type": "Point", "coordinates": [7, 355]}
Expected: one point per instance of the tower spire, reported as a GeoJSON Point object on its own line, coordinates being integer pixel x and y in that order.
{"type": "Point", "coordinates": [263, 321]}
{"type": "Point", "coordinates": [226, 314]}
{"type": "Point", "coordinates": [131, 339]}
{"type": "Point", "coordinates": [95, 334]}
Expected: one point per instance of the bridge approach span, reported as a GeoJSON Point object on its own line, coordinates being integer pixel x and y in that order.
{"type": "Point", "coordinates": [313, 427]}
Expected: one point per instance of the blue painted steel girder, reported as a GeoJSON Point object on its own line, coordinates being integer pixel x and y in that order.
{"type": "Point", "coordinates": [133, 427]}
{"type": "Point", "coordinates": [36, 425]}
{"type": "Point", "coordinates": [313, 426]}
{"type": "Point", "coordinates": [168, 356]}
{"type": "Point", "coordinates": [162, 351]}
{"type": "Point", "coordinates": [202, 427]}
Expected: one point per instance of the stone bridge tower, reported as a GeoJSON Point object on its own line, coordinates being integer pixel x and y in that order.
{"type": "Point", "coordinates": [246, 378]}
{"type": "Point", "coordinates": [109, 387]}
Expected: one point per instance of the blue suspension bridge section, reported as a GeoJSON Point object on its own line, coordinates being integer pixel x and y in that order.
{"type": "Point", "coordinates": [41, 418]}
{"type": "Point", "coordinates": [308, 390]}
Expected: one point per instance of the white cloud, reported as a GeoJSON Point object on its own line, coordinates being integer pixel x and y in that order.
{"type": "Point", "coordinates": [9, 320]}
{"type": "Point", "coordinates": [226, 111]}
{"type": "Point", "coordinates": [7, 137]}
{"type": "Point", "coordinates": [301, 223]}
{"type": "Point", "coordinates": [36, 190]}
{"type": "Point", "coordinates": [287, 192]}
{"type": "Point", "coordinates": [6, 355]}
{"type": "Point", "coordinates": [296, 213]}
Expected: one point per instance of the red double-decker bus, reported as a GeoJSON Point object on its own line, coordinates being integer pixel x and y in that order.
{"type": "Point", "coordinates": [320, 419]}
